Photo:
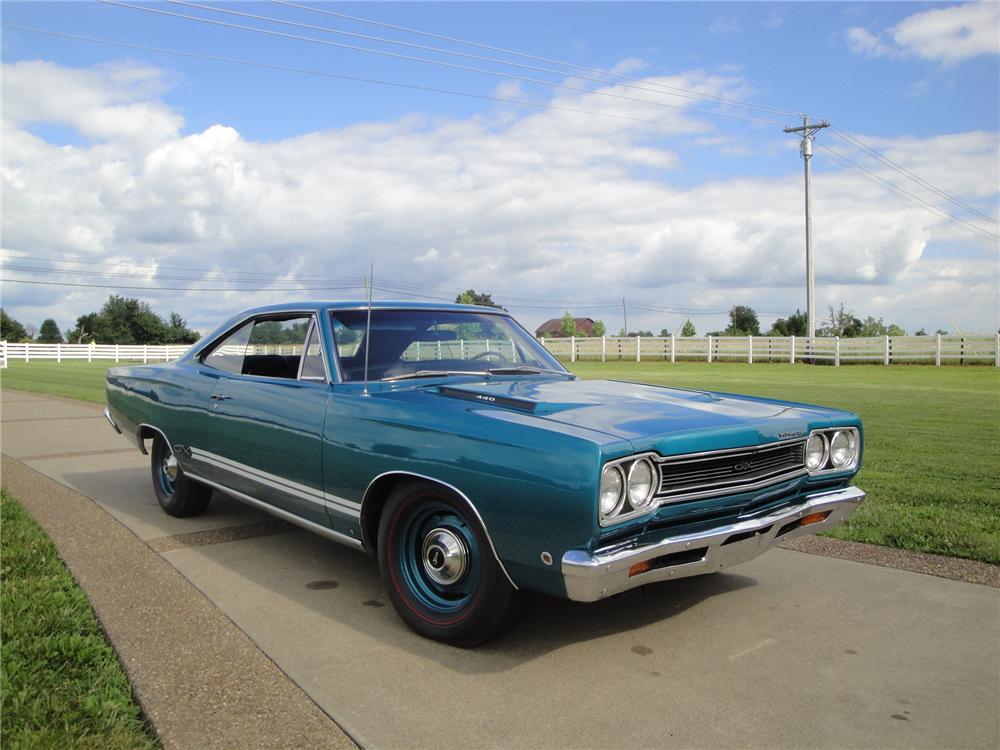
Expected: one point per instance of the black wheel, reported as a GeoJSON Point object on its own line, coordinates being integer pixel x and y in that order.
{"type": "Point", "coordinates": [439, 569]}
{"type": "Point", "coordinates": [178, 495]}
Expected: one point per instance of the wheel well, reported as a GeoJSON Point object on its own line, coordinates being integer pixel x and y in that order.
{"type": "Point", "coordinates": [147, 432]}
{"type": "Point", "coordinates": [374, 502]}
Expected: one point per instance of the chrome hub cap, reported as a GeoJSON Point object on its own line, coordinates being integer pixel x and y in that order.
{"type": "Point", "coordinates": [445, 556]}
{"type": "Point", "coordinates": [170, 467]}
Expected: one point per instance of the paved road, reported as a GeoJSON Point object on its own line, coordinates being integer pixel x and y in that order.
{"type": "Point", "coordinates": [790, 650]}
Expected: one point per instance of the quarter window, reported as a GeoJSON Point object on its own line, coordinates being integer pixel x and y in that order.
{"type": "Point", "coordinates": [312, 358]}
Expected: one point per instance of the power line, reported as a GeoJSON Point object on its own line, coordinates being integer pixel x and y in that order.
{"type": "Point", "coordinates": [857, 143]}
{"type": "Point", "coordinates": [359, 79]}
{"type": "Point", "coordinates": [411, 58]}
{"type": "Point", "coordinates": [908, 195]}
{"type": "Point", "coordinates": [480, 45]}
{"type": "Point", "coordinates": [649, 87]}
{"type": "Point", "coordinates": [171, 288]}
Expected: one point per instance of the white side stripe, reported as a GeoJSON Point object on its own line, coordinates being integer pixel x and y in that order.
{"type": "Point", "coordinates": [301, 491]}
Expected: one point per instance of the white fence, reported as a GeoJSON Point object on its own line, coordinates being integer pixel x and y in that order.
{"type": "Point", "coordinates": [884, 349]}
{"type": "Point", "coordinates": [90, 352]}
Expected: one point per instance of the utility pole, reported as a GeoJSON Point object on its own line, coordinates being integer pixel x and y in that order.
{"type": "Point", "coordinates": [625, 315]}
{"type": "Point", "coordinates": [806, 151]}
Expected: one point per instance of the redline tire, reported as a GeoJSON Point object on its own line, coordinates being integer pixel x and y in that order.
{"type": "Point", "coordinates": [439, 569]}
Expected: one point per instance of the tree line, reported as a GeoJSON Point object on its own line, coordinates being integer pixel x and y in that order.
{"type": "Point", "coordinates": [121, 320]}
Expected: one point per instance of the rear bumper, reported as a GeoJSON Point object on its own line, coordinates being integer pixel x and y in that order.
{"type": "Point", "coordinates": [589, 577]}
{"type": "Point", "coordinates": [111, 420]}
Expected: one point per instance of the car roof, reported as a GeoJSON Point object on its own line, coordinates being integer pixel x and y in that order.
{"type": "Point", "coordinates": [363, 305]}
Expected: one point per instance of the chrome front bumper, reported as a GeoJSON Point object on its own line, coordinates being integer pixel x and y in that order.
{"type": "Point", "coordinates": [590, 577]}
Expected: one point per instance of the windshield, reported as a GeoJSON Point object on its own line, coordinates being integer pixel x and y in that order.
{"type": "Point", "coordinates": [415, 343]}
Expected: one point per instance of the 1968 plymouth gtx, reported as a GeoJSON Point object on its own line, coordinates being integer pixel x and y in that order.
{"type": "Point", "coordinates": [449, 443]}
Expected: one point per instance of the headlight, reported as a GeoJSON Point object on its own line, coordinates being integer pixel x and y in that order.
{"type": "Point", "coordinates": [843, 448]}
{"type": "Point", "coordinates": [612, 490]}
{"type": "Point", "coordinates": [816, 451]}
{"type": "Point", "coordinates": [640, 484]}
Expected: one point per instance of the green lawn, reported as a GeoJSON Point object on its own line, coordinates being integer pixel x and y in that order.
{"type": "Point", "coordinates": [62, 684]}
{"type": "Point", "coordinates": [72, 379]}
{"type": "Point", "coordinates": [931, 468]}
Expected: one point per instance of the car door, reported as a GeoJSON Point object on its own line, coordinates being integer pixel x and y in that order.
{"type": "Point", "coordinates": [265, 431]}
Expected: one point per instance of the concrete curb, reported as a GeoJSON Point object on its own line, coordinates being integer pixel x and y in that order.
{"type": "Point", "coordinates": [200, 679]}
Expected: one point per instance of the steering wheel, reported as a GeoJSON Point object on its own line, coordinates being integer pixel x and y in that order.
{"type": "Point", "coordinates": [490, 353]}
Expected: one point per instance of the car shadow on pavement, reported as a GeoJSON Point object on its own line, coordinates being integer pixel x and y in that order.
{"type": "Point", "coordinates": [299, 583]}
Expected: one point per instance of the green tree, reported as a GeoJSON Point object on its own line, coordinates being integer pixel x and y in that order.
{"type": "Point", "coordinates": [567, 326]}
{"type": "Point", "coordinates": [687, 330]}
{"type": "Point", "coordinates": [472, 297]}
{"type": "Point", "coordinates": [793, 325]}
{"type": "Point", "coordinates": [841, 322]}
{"type": "Point", "coordinates": [599, 328]}
{"type": "Point", "coordinates": [178, 332]}
{"type": "Point", "coordinates": [11, 329]}
{"type": "Point", "coordinates": [122, 320]}
{"type": "Point", "coordinates": [49, 333]}
{"type": "Point", "coordinates": [872, 326]}
{"type": "Point", "coordinates": [743, 321]}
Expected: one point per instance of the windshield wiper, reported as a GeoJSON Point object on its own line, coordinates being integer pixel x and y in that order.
{"type": "Point", "coordinates": [433, 374]}
{"type": "Point", "coordinates": [526, 371]}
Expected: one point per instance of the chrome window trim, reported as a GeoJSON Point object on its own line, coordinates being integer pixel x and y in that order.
{"type": "Point", "coordinates": [313, 326]}
{"type": "Point", "coordinates": [454, 489]}
{"type": "Point", "coordinates": [285, 314]}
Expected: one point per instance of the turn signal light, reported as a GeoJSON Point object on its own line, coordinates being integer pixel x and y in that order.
{"type": "Point", "coordinates": [638, 568]}
{"type": "Point", "coordinates": [813, 518]}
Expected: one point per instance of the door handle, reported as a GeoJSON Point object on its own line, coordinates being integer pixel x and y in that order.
{"type": "Point", "coordinates": [220, 397]}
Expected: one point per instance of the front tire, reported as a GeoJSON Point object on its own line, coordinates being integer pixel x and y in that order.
{"type": "Point", "coordinates": [177, 495]}
{"type": "Point", "coordinates": [439, 568]}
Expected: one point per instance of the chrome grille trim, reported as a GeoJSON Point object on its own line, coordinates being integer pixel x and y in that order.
{"type": "Point", "coordinates": [699, 475]}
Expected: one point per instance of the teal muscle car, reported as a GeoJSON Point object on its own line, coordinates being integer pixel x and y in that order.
{"type": "Point", "coordinates": [450, 444]}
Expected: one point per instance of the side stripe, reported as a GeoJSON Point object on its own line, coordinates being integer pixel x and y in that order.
{"type": "Point", "coordinates": [301, 491]}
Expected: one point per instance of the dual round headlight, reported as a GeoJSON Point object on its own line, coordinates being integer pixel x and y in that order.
{"type": "Point", "coordinates": [816, 448]}
{"type": "Point", "coordinates": [831, 450]}
{"type": "Point", "coordinates": [843, 448]}
{"type": "Point", "coordinates": [638, 487]}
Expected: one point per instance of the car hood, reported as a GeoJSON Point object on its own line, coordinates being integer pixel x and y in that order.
{"type": "Point", "coordinates": [643, 414]}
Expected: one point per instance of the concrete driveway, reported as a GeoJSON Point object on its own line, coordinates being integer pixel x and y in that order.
{"type": "Point", "coordinates": [790, 650]}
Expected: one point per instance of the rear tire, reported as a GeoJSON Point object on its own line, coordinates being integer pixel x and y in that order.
{"type": "Point", "coordinates": [439, 569]}
{"type": "Point", "coordinates": [178, 496]}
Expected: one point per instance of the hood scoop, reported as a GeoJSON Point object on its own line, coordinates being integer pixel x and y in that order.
{"type": "Point", "coordinates": [507, 402]}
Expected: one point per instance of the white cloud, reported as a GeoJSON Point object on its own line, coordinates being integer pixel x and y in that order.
{"type": "Point", "coordinates": [947, 35]}
{"type": "Point", "coordinates": [725, 25]}
{"type": "Point", "coordinates": [548, 204]}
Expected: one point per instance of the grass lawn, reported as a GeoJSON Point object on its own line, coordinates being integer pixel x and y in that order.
{"type": "Point", "coordinates": [72, 378]}
{"type": "Point", "coordinates": [931, 466]}
{"type": "Point", "coordinates": [62, 684]}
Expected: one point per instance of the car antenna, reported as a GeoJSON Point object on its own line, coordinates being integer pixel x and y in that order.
{"type": "Point", "coordinates": [368, 326]}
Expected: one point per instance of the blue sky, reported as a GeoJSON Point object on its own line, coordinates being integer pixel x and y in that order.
{"type": "Point", "coordinates": [869, 68]}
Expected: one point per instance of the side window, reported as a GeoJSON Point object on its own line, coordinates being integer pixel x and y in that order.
{"type": "Point", "coordinates": [266, 347]}
{"type": "Point", "coordinates": [229, 354]}
{"type": "Point", "coordinates": [312, 358]}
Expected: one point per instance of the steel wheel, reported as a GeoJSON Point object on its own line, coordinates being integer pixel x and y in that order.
{"type": "Point", "coordinates": [439, 569]}
{"type": "Point", "coordinates": [177, 495]}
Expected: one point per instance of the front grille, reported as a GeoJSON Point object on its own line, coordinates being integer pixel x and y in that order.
{"type": "Point", "coordinates": [729, 472]}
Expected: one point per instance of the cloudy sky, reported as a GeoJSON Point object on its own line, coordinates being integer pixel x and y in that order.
{"type": "Point", "coordinates": [205, 185]}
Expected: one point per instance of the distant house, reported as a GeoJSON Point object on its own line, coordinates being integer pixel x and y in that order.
{"type": "Point", "coordinates": [553, 328]}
